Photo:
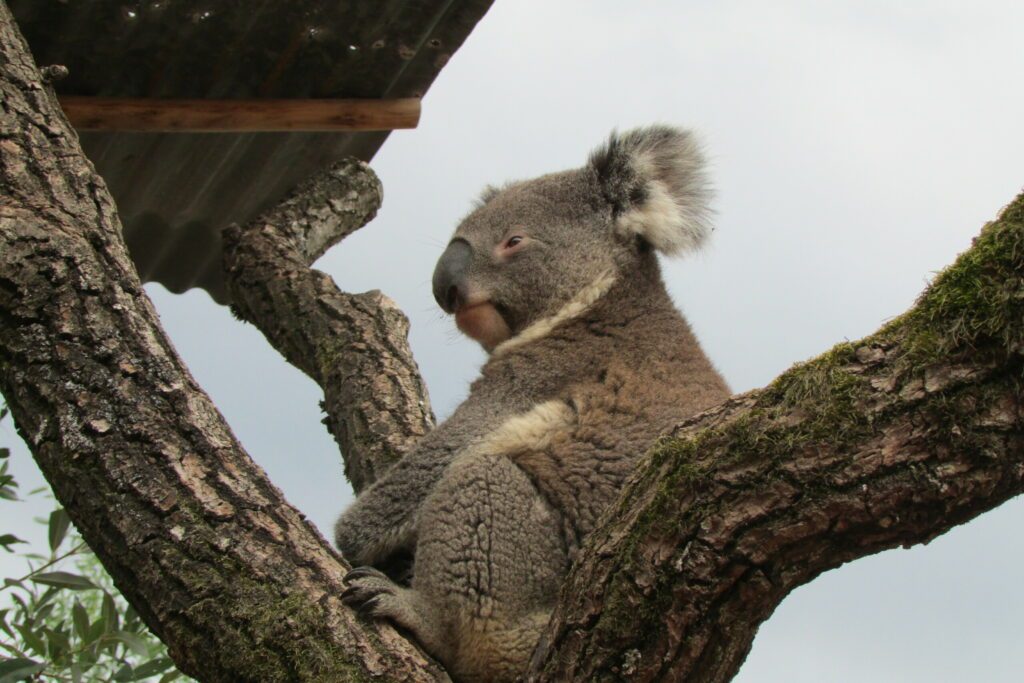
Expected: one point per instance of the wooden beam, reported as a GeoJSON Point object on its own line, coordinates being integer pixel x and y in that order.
{"type": "Point", "coordinates": [239, 116]}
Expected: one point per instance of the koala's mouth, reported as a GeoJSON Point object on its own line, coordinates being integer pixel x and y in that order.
{"type": "Point", "coordinates": [505, 314]}
{"type": "Point", "coordinates": [485, 322]}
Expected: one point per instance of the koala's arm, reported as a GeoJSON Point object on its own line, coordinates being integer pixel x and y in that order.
{"type": "Point", "coordinates": [382, 521]}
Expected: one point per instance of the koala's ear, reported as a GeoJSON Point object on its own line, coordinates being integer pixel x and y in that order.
{"type": "Point", "coordinates": [654, 179]}
{"type": "Point", "coordinates": [486, 195]}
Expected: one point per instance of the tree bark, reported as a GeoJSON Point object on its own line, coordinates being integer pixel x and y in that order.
{"type": "Point", "coordinates": [354, 346]}
{"type": "Point", "coordinates": [887, 441]}
{"type": "Point", "coordinates": [883, 442]}
{"type": "Point", "coordinates": [223, 570]}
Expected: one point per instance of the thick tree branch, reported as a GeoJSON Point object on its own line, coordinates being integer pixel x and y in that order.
{"type": "Point", "coordinates": [230, 576]}
{"type": "Point", "coordinates": [888, 441]}
{"type": "Point", "coordinates": [354, 346]}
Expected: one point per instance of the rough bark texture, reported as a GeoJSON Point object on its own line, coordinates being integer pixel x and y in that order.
{"type": "Point", "coordinates": [888, 441]}
{"type": "Point", "coordinates": [354, 346]}
{"type": "Point", "coordinates": [230, 576]}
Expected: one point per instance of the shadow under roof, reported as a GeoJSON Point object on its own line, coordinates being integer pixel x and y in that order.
{"type": "Point", "coordinates": [175, 191]}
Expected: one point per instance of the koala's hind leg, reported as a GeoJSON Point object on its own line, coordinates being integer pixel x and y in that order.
{"type": "Point", "coordinates": [490, 558]}
{"type": "Point", "coordinates": [488, 564]}
{"type": "Point", "coordinates": [374, 594]}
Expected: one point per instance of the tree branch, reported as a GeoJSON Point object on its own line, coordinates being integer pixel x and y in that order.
{"type": "Point", "coordinates": [355, 346]}
{"type": "Point", "coordinates": [224, 571]}
{"type": "Point", "coordinates": [888, 441]}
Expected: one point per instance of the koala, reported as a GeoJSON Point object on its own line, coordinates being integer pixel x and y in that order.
{"type": "Point", "coordinates": [589, 363]}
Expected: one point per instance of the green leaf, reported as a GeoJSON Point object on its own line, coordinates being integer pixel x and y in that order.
{"type": "Point", "coordinates": [42, 611]}
{"type": "Point", "coordinates": [170, 676]}
{"type": "Point", "coordinates": [19, 669]}
{"type": "Point", "coordinates": [33, 639]}
{"type": "Point", "coordinates": [144, 671]}
{"type": "Point", "coordinates": [64, 580]}
{"type": "Point", "coordinates": [5, 453]}
{"type": "Point", "coordinates": [7, 540]}
{"type": "Point", "coordinates": [49, 594]}
{"type": "Point", "coordinates": [153, 667]}
{"type": "Point", "coordinates": [58, 528]}
{"type": "Point", "coordinates": [81, 620]}
{"type": "Point", "coordinates": [21, 603]}
{"type": "Point", "coordinates": [108, 644]}
{"type": "Point", "coordinates": [111, 617]}
{"type": "Point", "coordinates": [3, 623]}
{"type": "Point", "coordinates": [97, 629]}
{"type": "Point", "coordinates": [87, 658]}
{"type": "Point", "coordinates": [137, 644]}
{"type": "Point", "coordinates": [132, 617]}
{"type": "Point", "coordinates": [58, 643]}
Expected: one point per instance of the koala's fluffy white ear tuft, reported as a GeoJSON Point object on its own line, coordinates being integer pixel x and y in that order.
{"type": "Point", "coordinates": [486, 195]}
{"type": "Point", "coordinates": [654, 179]}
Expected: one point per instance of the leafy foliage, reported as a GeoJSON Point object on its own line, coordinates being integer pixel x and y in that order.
{"type": "Point", "coordinates": [64, 620]}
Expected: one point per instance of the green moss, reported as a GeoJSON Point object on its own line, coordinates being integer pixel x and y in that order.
{"type": "Point", "coordinates": [266, 631]}
{"type": "Point", "coordinates": [303, 649]}
{"type": "Point", "coordinates": [976, 304]}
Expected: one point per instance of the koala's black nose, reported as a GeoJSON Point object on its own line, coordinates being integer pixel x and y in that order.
{"type": "Point", "coordinates": [450, 274]}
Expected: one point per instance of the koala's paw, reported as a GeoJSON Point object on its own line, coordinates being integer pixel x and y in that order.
{"type": "Point", "coordinates": [372, 594]}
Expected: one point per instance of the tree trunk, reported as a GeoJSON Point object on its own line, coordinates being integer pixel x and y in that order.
{"type": "Point", "coordinates": [887, 441]}
{"type": "Point", "coordinates": [223, 570]}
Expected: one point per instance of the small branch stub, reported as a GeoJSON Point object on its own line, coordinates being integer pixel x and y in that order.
{"type": "Point", "coordinates": [236, 116]}
{"type": "Point", "coordinates": [54, 73]}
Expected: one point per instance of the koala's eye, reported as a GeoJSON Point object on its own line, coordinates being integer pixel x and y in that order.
{"type": "Point", "coordinates": [513, 241]}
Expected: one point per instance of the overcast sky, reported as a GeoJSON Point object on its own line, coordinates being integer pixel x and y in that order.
{"type": "Point", "coordinates": [856, 148]}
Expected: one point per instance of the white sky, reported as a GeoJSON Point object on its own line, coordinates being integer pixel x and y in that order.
{"type": "Point", "coordinates": [856, 148]}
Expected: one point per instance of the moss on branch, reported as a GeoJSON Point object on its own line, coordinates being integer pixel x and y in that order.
{"type": "Point", "coordinates": [953, 362]}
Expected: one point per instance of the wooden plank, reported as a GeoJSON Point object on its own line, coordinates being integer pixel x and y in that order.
{"type": "Point", "coordinates": [239, 116]}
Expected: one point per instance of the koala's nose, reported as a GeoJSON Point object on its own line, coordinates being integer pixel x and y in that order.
{"type": "Point", "coordinates": [449, 275]}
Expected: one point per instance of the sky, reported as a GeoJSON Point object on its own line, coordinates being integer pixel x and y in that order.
{"type": "Point", "coordinates": [855, 148]}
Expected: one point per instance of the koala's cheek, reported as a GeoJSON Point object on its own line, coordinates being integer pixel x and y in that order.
{"type": "Point", "coordinates": [484, 324]}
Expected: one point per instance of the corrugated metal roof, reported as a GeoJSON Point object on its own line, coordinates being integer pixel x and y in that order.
{"type": "Point", "coordinates": [175, 191]}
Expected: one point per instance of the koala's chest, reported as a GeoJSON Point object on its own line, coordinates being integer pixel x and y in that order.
{"type": "Point", "coordinates": [578, 449]}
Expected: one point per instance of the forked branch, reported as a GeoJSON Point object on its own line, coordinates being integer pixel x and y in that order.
{"type": "Point", "coordinates": [355, 346]}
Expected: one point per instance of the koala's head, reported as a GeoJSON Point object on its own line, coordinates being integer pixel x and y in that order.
{"type": "Point", "coordinates": [533, 248]}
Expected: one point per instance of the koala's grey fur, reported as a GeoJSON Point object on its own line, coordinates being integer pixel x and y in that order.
{"type": "Point", "coordinates": [590, 363]}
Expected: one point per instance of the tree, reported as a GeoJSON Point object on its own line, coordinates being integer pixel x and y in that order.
{"type": "Point", "coordinates": [64, 625]}
{"type": "Point", "coordinates": [886, 441]}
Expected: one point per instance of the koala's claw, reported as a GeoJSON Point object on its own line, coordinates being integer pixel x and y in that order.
{"type": "Point", "coordinates": [362, 573]}
{"type": "Point", "coordinates": [369, 591]}
{"type": "Point", "coordinates": [374, 607]}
